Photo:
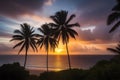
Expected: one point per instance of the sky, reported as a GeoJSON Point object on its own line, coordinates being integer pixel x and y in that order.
{"type": "Point", "coordinates": [94, 36]}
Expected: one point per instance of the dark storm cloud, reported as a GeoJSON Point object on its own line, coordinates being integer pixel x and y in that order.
{"type": "Point", "coordinates": [100, 35]}
{"type": "Point", "coordinates": [15, 8]}
{"type": "Point", "coordinates": [94, 11]}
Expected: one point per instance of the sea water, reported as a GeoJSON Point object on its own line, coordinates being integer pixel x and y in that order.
{"type": "Point", "coordinates": [56, 62]}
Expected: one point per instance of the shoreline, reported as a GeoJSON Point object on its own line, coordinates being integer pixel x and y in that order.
{"type": "Point", "coordinates": [35, 71]}
{"type": "Point", "coordinates": [39, 71]}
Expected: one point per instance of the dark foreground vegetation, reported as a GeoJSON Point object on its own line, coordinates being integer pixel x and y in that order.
{"type": "Point", "coordinates": [103, 70]}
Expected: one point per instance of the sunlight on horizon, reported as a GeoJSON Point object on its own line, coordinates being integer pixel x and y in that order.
{"type": "Point", "coordinates": [58, 51]}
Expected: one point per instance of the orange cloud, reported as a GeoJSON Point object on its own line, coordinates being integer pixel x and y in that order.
{"type": "Point", "coordinates": [35, 20]}
{"type": "Point", "coordinates": [75, 47]}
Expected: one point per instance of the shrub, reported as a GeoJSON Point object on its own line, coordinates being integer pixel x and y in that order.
{"type": "Point", "coordinates": [13, 72]}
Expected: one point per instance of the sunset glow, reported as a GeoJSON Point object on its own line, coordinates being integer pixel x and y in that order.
{"type": "Point", "coordinates": [59, 39]}
{"type": "Point", "coordinates": [58, 51]}
{"type": "Point", "coordinates": [93, 34]}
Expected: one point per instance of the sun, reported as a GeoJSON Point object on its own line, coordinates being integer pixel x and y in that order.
{"type": "Point", "coordinates": [58, 50]}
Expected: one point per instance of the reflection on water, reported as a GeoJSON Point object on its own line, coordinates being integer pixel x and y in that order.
{"type": "Point", "coordinates": [57, 62]}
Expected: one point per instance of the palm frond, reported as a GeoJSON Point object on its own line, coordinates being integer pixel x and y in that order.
{"type": "Point", "coordinates": [70, 18]}
{"type": "Point", "coordinates": [71, 34]}
{"type": "Point", "coordinates": [18, 32]}
{"type": "Point", "coordinates": [118, 45]}
{"type": "Point", "coordinates": [42, 31]}
{"type": "Point", "coordinates": [17, 39]}
{"type": "Point", "coordinates": [41, 45]}
{"type": "Point", "coordinates": [63, 16]}
{"type": "Point", "coordinates": [115, 27]}
{"type": "Point", "coordinates": [56, 34]}
{"type": "Point", "coordinates": [117, 48]}
{"type": "Point", "coordinates": [54, 19]}
{"type": "Point", "coordinates": [113, 50]}
{"type": "Point", "coordinates": [116, 8]}
{"type": "Point", "coordinates": [32, 29]}
{"type": "Point", "coordinates": [72, 31]}
{"type": "Point", "coordinates": [53, 25]}
{"type": "Point", "coordinates": [31, 44]}
{"type": "Point", "coordinates": [18, 44]}
{"type": "Point", "coordinates": [40, 42]}
{"type": "Point", "coordinates": [31, 32]}
{"type": "Point", "coordinates": [53, 43]}
{"type": "Point", "coordinates": [73, 25]}
{"type": "Point", "coordinates": [34, 44]}
{"type": "Point", "coordinates": [36, 35]}
{"type": "Point", "coordinates": [65, 37]}
{"type": "Point", "coordinates": [21, 48]}
{"type": "Point", "coordinates": [16, 36]}
{"type": "Point", "coordinates": [113, 17]}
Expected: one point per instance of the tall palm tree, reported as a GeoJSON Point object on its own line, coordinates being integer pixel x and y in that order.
{"type": "Point", "coordinates": [116, 49]}
{"type": "Point", "coordinates": [47, 40]}
{"type": "Point", "coordinates": [114, 17]}
{"type": "Point", "coordinates": [64, 28]}
{"type": "Point", "coordinates": [25, 38]}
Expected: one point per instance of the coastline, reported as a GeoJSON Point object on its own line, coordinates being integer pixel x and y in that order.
{"type": "Point", "coordinates": [35, 71]}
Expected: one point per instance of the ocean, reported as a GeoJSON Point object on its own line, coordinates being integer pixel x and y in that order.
{"type": "Point", "coordinates": [56, 62]}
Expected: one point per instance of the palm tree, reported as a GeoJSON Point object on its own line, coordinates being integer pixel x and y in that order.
{"type": "Point", "coordinates": [47, 40]}
{"type": "Point", "coordinates": [116, 49]}
{"type": "Point", "coordinates": [114, 17]}
{"type": "Point", "coordinates": [64, 28]}
{"type": "Point", "coordinates": [25, 38]}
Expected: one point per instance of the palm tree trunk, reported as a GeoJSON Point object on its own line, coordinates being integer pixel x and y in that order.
{"type": "Point", "coordinates": [68, 56]}
{"type": "Point", "coordinates": [47, 61]}
{"type": "Point", "coordinates": [25, 58]}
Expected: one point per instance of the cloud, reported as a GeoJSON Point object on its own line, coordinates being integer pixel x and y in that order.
{"type": "Point", "coordinates": [5, 35]}
{"type": "Point", "coordinates": [94, 12]}
{"type": "Point", "coordinates": [15, 8]}
{"type": "Point", "coordinates": [100, 35]}
{"type": "Point", "coordinates": [34, 20]}
{"type": "Point", "coordinates": [86, 35]}
{"type": "Point", "coordinates": [89, 13]}
{"type": "Point", "coordinates": [4, 49]}
{"type": "Point", "coordinates": [83, 48]}
{"type": "Point", "coordinates": [49, 2]}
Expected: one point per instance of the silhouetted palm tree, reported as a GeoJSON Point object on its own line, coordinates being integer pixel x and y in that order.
{"type": "Point", "coordinates": [116, 49]}
{"type": "Point", "coordinates": [64, 28]}
{"type": "Point", "coordinates": [114, 17]}
{"type": "Point", "coordinates": [47, 40]}
{"type": "Point", "coordinates": [25, 38]}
